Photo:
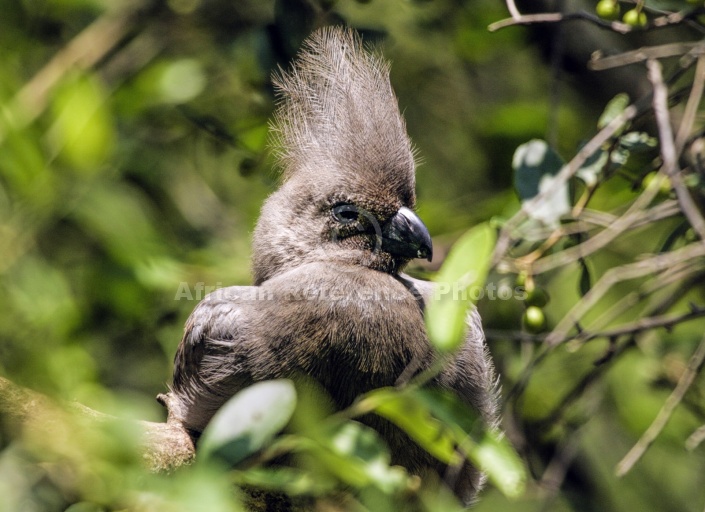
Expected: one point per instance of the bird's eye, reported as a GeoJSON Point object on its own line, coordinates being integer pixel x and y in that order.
{"type": "Point", "coordinates": [345, 213]}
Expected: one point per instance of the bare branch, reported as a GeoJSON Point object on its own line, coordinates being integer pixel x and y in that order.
{"type": "Point", "coordinates": [644, 324]}
{"type": "Point", "coordinates": [517, 18]}
{"type": "Point", "coordinates": [695, 438]}
{"type": "Point", "coordinates": [631, 328]}
{"type": "Point", "coordinates": [599, 62]}
{"type": "Point", "coordinates": [165, 446]}
{"type": "Point", "coordinates": [512, 7]}
{"type": "Point", "coordinates": [684, 383]}
{"type": "Point", "coordinates": [553, 17]}
{"type": "Point", "coordinates": [652, 265]}
{"type": "Point", "coordinates": [507, 235]}
{"type": "Point", "coordinates": [633, 215]}
{"type": "Point", "coordinates": [668, 150]}
{"type": "Point", "coordinates": [691, 108]}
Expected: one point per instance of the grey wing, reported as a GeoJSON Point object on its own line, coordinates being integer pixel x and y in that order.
{"type": "Point", "coordinates": [211, 363]}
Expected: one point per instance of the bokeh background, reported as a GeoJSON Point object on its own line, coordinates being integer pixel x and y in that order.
{"type": "Point", "coordinates": [134, 161]}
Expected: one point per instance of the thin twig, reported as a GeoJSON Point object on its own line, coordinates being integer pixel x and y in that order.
{"type": "Point", "coordinates": [680, 273]}
{"type": "Point", "coordinates": [630, 328]}
{"type": "Point", "coordinates": [684, 383]}
{"type": "Point", "coordinates": [599, 62]}
{"type": "Point", "coordinates": [691, 107]}
{"type": "Point", "coordinates": [668, 150]}
{"type": "Point", "coordinates": [644, 324]}
{"type": "Point", "coordinates": [695, 438]}
{"type": "Point", "coordinates": [553, 17]}
{"type": "Point", "coordinates": [601, 239]}
{"type": "Point", "coordinates": [512, 7]}
{"type": "Point", "coordinates": [652, 265]}
{"type": "Point", "coordinates": [506, 236]}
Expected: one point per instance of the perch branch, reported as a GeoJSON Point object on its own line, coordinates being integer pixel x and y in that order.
{"type": "Point", "coordinates": [165, 446]}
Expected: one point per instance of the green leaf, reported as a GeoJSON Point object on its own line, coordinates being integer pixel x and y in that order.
{"type": "Point", "coordinates": [637, 142]}
{"type": "Point", "coordinates": [353, 453]}
{"type": "Point", "coordinates": [496, 457]}
{"type": "Point", "coordinates": [614, 108]}
{"type": "Point", "coordinates": [439, 422]}
{"type": "Point", "coordinates": [412, 414]}
{"type": "Point", "coordinates": [458, 285]}
{"type": "Point", "coordinates": [249, 420]}
{"type": "Point", "coordinates": [531, 162]}
{"type": "Point", "coordinates": [447, 407]}
{"type": "Point", "coordinates": [535, 165]}
{"type": "Point", "coordinates": [357, 456]}
{"type": "Point", "coordinates": [592, 168]}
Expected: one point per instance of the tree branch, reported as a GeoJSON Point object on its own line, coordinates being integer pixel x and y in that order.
{"type": "Point", "coordinates": [165, 446]}
{"type": "Point", "coordinates": [668, 150]}
{"type": "Point", "coordinates": [684, 383]}
{"type": "Point", "coordinates": [599, 62]}
{"type": "Point", "coordinates": [553, 17]}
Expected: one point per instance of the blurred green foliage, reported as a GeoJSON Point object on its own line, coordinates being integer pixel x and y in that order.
{"type": "Point", "coordinates": [133, 163]}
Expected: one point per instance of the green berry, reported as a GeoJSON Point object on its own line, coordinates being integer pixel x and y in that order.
{"type": "Point", "coordinates": [635, 18]}
{"type": "Point", "coordinates": [534, 320]}
{"type": "Point", "coordinates": [607, 9]}
{"type": "Point", "coordinates": [665, 187]}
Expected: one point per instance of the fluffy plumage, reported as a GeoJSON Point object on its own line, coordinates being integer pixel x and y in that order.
{"type": "Point", "coordinates": [329, 301]}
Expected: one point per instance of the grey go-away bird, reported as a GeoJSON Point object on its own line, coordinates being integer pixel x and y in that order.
{"type": "Point", "coordinates": [329, 299]}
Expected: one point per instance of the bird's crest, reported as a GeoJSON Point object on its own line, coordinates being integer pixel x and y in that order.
{"type": "Point", "coordinates": [338, 119]}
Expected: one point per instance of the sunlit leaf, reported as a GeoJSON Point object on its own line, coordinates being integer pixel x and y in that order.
{"type": "Point", "coordinates": [413, 415]}
{"type": "Point", "coordinates": [593, 166]}
{"type": "Point", "coordinates": [458, 285]}
{"type": "Point", "coordinates": [535, 164]}
{"type": "Point", "coordinates": [447, 407]}
{"type": "Point", "coordinates": [500, 462]}
{"type": "Point", "coordinates": [249, 420]}
{"type": "Point", "coordinates": [356, 455]}
{"type": "Point", "coordinates": [83, 133]}
{"type": "Point", "coordinates": [531, 163]}
{"type": "Point", "coordinates": [638, 142]}
{"type": "Point", "coordinates": [440, 423]}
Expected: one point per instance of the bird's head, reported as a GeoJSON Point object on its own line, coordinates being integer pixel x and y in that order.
{"type": "Point", "coordinates": [348, 166]}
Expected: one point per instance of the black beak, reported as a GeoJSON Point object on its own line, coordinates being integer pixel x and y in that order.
{"type": "Point", "coordinates": [406, 236]}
